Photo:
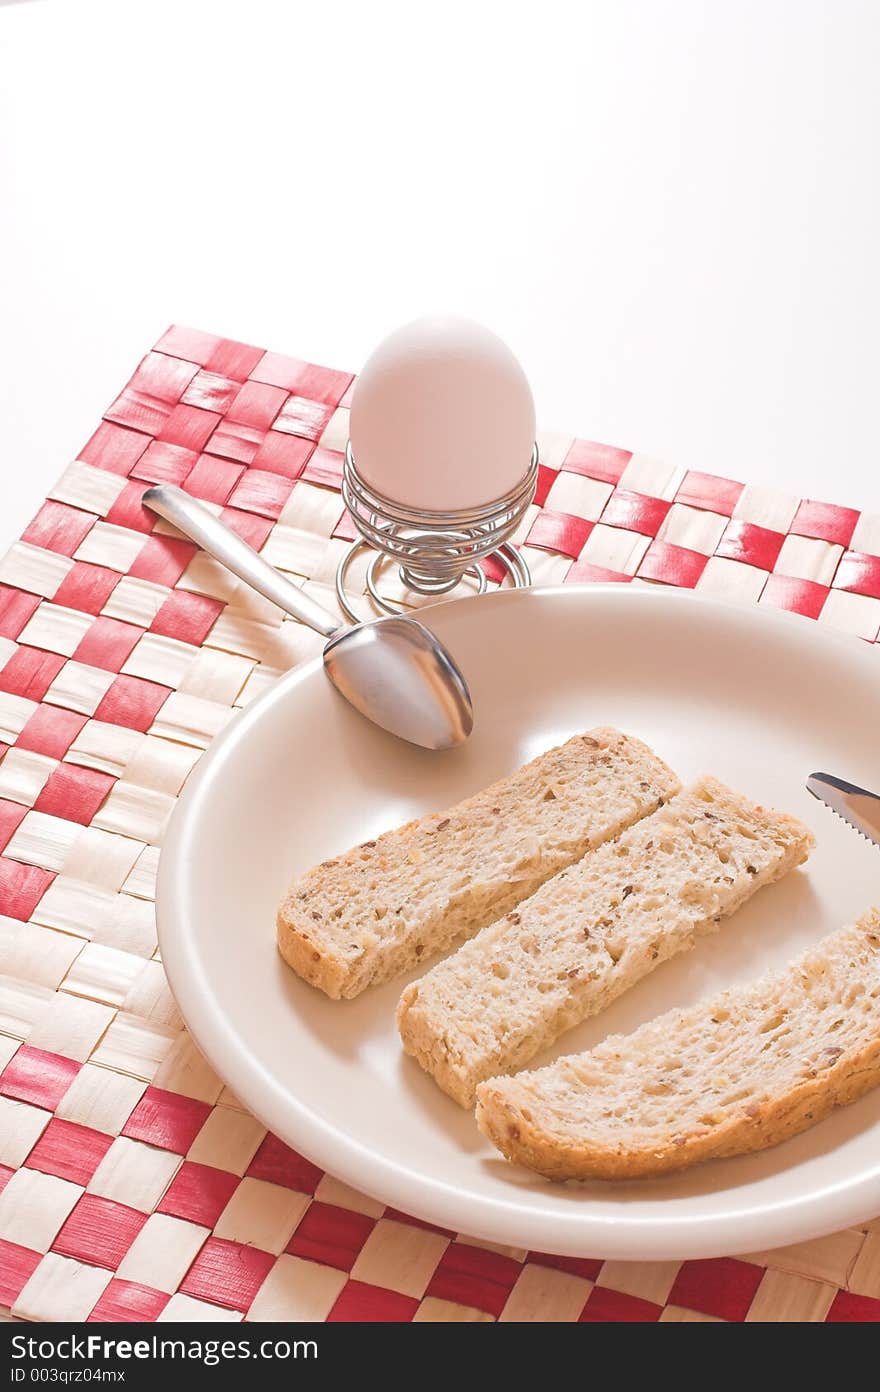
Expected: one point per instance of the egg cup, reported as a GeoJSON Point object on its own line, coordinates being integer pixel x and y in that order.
{"type": "Point", "coordinates": [434, 550]}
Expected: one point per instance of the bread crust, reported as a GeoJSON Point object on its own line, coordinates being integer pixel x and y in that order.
{"type": "Point", "coordinates": [424, 1041]}
{"type": "Point", "coordinates": [315, 966]}
{"type": "Point", "coordinates": [559, 1158]}
{"type": "Point", "coordinates": [759, 1126]}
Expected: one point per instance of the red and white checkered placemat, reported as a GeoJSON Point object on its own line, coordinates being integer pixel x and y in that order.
{"type": "Point", "coordinates": [134, 1185]}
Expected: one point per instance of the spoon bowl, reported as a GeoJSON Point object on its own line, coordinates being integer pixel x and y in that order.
{"type": "Point", "coordinates": [397, 674]}
{"type": "Point", "coordinates": [393, 670]}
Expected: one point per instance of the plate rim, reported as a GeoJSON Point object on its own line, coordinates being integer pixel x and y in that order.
{"type": "Point", "coordinates": [488, 1218]}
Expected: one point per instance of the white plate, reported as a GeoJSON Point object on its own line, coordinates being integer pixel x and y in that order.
{"type": "Point", "coordinates": [757, 697]}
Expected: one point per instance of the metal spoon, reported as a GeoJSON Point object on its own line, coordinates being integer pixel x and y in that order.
{"type": "Point", "coordinates": [393, 670]}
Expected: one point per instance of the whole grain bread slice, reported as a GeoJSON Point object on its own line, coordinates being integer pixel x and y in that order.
{"type": "Point", "coordinates": [740, 1072]}
{"type": "Point", "coordinates": [592, 932]}
{"type": "Point", "coordinates": [385, 906]}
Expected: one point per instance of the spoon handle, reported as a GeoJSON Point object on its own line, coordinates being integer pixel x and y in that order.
{"type": "Point", "coordinates": [197, 522]}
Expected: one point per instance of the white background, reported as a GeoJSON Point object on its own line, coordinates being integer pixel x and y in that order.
{"type": "Point", "coordinates": [668, 207]}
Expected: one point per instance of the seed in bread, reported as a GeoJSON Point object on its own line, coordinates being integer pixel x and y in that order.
{"type": "Point", "coordinates": [391, 904]}
{"type": "Point", "coordinates": [592, 932]}
{"type": "Point", "coordinates": [737, 1073]}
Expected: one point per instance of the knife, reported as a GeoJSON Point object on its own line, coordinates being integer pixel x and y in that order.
{"type": "Point", "coordinates": [859, 808]}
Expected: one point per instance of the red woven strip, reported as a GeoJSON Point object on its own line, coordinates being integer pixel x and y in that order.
{"type": "Point", "coordinates": [227, 1273]}
{"type": "Point", "coordinates": [199, 1193]}
{"type": "Point", "coordinates": [347, 531]}
{"type": "Point", "coordinates": [30, 672]}
{"type": "Point", "coordinates": [87, 587]}
{"type": "Point", "coordinates": [324, 468]}
{"type": "Point", "coordinates": [16, 608]}
{"type": "Point", "coordinates": [279, 370]}
{"type": "Point", "coordinates": [59, 528]}
{"type": "Point", "coordinates": [167, 1120]}
{"type": "Point", "coordinates": [50, 731]}
{"type": "Point", "coordinates": [187, 617]}
{"type": "Point", "coordinates": [847, 1308]}
{"type": "Point", "coordinates": [324, 384]}
{"type": "Point", "coordinates": [585, 574]}
{"type": "Point", "coordinates": [191, 344]}
{"type": "Point", "coordinates": [21, 888]}
{"type": "Point", "coordinates": [69, 1151]}
{"type": "Point", "coordinates": [38, 1077]}
{"type": "Point", "coordinates": [253, 530]}
{"type": "Point", "coordinates": [17, 1266]}
{"type": "Point", "coordinates": [165, 463]}
{"type": "Point", "coordinates": [129, 511]}
{"type": "Point", "coordinates": [724, 1287]}
{"type": "Point", "coordinates": [636, 512]}
{"type": "Point", "coordinates": [262, 492]}
{"type": "Point", "coordinates": [709, 492]}
{"type": "Point", "coordinates": [474, 1276]}
{"type": "Point", "coordinates": [595, 461]}
{"type": "Point", "coordinates": [232, 359]}
{"type": "Point", "coordinates": [412, 1222]}
{"type": "Point", "coordinates": [99, 1231]}
{"type": "Point", "coordinates": [330, 1235]}
{"type": "Point", "coordinates": [859, 573]}
{"type": "Point", "coordinates": [11, 814]}
{"type": "Point", "coordinates": [256, 404]}
{"type": "Point", "coordinates": [132, 702]}
{"type": "Point", "coordinates": [674, 565]}
{"type": "Point", "coordinates": [138, 412]}
{"type": "Point", "coordinates": [546, 479]}
{"type": "Point", "coordinates": [587, 1267]}
{"type": "Point", "coordinates": [189, 427]}
{"type": "Point", "coordinates": [797, 596]}
{"type": "Point", "coordinates": [236, 441]}
{"type": "Point", "coordinates": [74, 793]}
{"type": "Point", "coordinates": [114, 448]}
{"type": "Point", "coordinates": [127, 1302]}
{"type": "Point", "coordinates": [209, 391]}
{"type": "Point", "coordinates": [614, 1307]}
{"type": "Point", "coordinates": [213, 479]}
{"type": "Point", "coordinates": [277, 1163]}
{"type": "Point", "coordinates": [283, 454]}
{"type": "Point", "coordinates": [358, 1303]}
{"type": "Point", "coordinates": [163, 560]}
{"type": "Point", "coordinates": [299, 416]}
{"type": "Point", "coordinates": [757, 546]}
{"type": "Point", "coordinates": [162, 377]}
{"type": "Point", "coordinates": [107, 643]}
{"type": "Point", "coordinates": [825, 521]}
{"type": "Point", "coordinates": [559, 531]}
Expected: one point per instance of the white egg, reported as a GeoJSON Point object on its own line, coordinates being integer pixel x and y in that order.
{"type": "Point", "coordinates": [442, 416]}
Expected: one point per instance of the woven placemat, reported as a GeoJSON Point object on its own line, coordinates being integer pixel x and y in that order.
{"type": "Point", "coordinates": [134, 1185]}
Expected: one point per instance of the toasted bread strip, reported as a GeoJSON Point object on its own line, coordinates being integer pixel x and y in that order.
{"type": "Point", "coordinates": [737, 1073]}
{"type": "Point", "coordinates": [390, 904]}
{"type": "Point", "coordinates": [592, 932]}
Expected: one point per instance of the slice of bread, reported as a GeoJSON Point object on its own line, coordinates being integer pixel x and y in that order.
{"type": "Point", "coordinates": [392, 903]}
{"type": "Point", "coordinates": [592, 932]}
{"type": "Point", "coordinates": [740, 1072]}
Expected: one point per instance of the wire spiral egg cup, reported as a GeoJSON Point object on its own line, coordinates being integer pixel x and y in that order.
{"type": "Point", "coordinates": [433, 550]}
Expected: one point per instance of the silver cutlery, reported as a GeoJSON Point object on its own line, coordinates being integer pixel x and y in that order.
{"type": "Point", "coordinates": [857, 806]}
{"type": "Point", "coordinates": [393, 670]}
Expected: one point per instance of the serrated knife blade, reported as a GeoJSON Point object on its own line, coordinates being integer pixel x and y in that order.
{"type": "Point", "coordinates": [858, 807]}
